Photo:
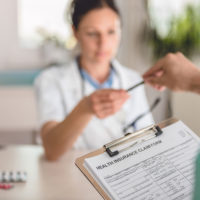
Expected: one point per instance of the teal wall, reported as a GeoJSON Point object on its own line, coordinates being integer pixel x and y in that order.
{"type": "Point", "coordinates": [18, 77]}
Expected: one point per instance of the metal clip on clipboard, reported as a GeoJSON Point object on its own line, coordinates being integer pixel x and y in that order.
{"type": "Point", "coordinates": [117, 146]}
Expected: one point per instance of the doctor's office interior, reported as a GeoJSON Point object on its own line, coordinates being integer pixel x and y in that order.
{"type": "Point", "coordinates": [36, 35]}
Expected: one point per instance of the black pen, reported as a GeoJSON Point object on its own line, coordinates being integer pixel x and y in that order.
{"type": "Point", "coordinates": [133, 87]}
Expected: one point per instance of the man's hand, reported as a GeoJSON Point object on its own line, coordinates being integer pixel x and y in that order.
{"type": "Point", "coordinates": [175, 72]}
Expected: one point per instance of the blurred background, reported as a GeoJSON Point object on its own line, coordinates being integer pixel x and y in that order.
{"type": "Point", "coordinates": [36, 34]}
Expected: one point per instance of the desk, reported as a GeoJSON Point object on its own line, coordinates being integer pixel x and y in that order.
{"type": "Point", "coordinates": [60, 180]}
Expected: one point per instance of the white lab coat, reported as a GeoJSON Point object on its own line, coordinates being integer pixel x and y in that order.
{"type": "Point", "coordinates": [59, 89]}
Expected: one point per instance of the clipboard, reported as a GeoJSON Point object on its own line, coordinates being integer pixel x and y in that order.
{"type": "Point", "coordinates": [130, 136]}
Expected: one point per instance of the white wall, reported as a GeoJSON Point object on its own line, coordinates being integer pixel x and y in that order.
{"type": "Point", "coordinates": [12, 55]}
{"type": "Point", "coordinates": [186, 107]}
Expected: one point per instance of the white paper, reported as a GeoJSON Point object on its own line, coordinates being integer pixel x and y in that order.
{"type": "Point", "coordinates": [161, 168]}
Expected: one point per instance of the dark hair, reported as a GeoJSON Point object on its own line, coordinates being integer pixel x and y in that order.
{"type": "Point", "coordinates": [79, 8]}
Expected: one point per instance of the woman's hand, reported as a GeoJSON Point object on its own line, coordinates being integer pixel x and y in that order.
{"type": "Point", "coordinates": [106, 102]}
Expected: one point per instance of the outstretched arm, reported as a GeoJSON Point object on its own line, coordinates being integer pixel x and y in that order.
{"type": "Point", "coordinates": [175, 72]}
{"type": "Point", "coordinates": [58, 137]}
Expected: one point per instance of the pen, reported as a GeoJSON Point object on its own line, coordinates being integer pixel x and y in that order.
{"type": "Point", "coordinates": [133, 87]}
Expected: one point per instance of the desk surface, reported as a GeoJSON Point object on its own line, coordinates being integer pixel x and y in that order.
{"type": "Point", "coordinates": [60, 180]}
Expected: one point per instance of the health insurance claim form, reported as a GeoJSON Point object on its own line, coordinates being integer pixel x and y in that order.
{"type": "Point", "coordinates": [159, 169]}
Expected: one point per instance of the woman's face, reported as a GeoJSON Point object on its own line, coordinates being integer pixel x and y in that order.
{"type": "Point", "coordinates": [98, 34]}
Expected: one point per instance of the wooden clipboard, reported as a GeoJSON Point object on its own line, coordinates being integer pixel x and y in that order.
{"type": "Point", "coordinates": [80, 161]}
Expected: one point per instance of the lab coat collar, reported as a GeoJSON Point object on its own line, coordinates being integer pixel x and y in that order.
{"type": "Point", "coordinates": [73, 81]}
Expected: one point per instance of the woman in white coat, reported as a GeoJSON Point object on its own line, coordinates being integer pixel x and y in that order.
{"type": "Point", "coordinates": [84, 105]}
